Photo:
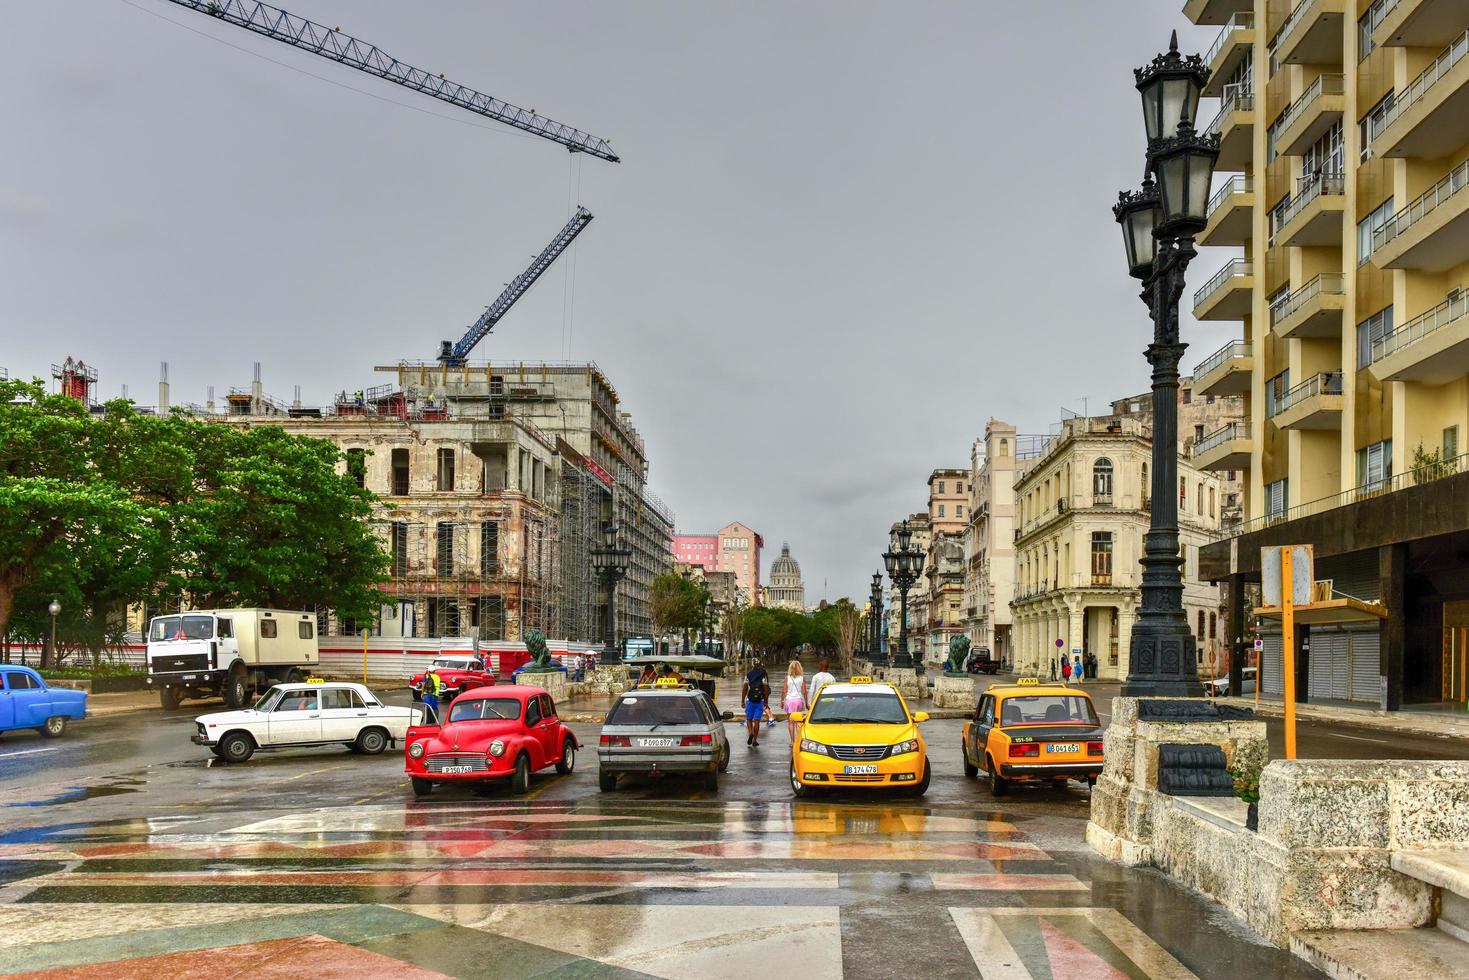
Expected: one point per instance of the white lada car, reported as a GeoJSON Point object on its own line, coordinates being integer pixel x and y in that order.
{"type": "Point", "coordinates": [313, 713]}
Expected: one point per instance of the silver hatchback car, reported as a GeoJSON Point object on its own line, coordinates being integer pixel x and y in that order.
{"type": "Point", "coordinates": [653, 730]}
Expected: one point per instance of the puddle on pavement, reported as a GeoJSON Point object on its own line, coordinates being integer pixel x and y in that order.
{"type": "Point", "coordinates": [73, 794]}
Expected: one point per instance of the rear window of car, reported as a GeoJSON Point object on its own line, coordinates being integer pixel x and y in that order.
{"type": "Point", "coordinates": [1053, 709]}
{"type": "Point", "coordinates": [633, 710]}
{"type": "Point", "coordinates": [480, 709]}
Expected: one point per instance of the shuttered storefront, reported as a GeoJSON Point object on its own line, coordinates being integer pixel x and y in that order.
{"type": "Point", "coordinates": [1364, 682]}
{"type": "Point", "coordinates": [1328, 665]}
{"type": "Point", "coordinates": [1270, 665]}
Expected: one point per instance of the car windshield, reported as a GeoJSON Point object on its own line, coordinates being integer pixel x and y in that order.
{"type": "Point", "coordinates": [456, 664]}
{"type": "Point", "coordinates": [858, 708]}
{"type": "Point", "coordinates": [485, 709]}
{"type": "Point", "coordinates": [181, 628]}
{"type": "Point", "coordinates": [655, 711]}
{"type": "Point", "coordinates": [1048, 709]}
{"type": "Point", "coordinates": [268, 699]}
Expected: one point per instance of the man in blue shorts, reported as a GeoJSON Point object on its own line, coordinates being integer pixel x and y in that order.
{"type": "Point", "coordinates": [755, 694]}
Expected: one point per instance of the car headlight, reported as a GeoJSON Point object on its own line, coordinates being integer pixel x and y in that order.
{"type": "Point", "coordinates": [415, 751]}
{"type": "Point", "coordinates": [497, 748]}
{"type": "Point", "coordinates": [904, 747]}
{"type": "Point", "coordinates": [809, 746]}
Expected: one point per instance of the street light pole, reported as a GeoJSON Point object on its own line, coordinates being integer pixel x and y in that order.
{"type": "Point", "coordinates": [1159, 223]}
{"type": "Point", "coordinates": [875, 627]}
{"type": "Point", "coordinates": [55, 610]}
{"type": "Point", "coordinates": [611, 561]}
{"type": "Point", "coordinates": [902, 564]}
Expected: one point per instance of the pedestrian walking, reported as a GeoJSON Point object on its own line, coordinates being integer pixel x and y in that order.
{"type": "Point", "coordinates": [433, 686]}
{"type": "Point", "coordinates": [1053, 668]}
{"type": "Point", "coordinates": [1065, 669]}
{"type": "Point", "coordinates": [754, 694]}
{"type": "Point", "coordinates": [1077, 673]}
{"type": "Point", "coordinates": [795, 695]}
{"type": "Point", "coordinates": [822, 676]}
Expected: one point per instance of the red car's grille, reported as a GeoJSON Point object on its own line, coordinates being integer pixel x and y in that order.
{"type": "Point", "coordinates": [443, 760]}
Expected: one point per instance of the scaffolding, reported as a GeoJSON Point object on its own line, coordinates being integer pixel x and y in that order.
{"type": "Point", "coordinates": [584, 507]}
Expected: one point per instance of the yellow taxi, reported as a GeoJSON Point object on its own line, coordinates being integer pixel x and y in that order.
{"type": "Point", "coordinates": [859, 733]}
{"type": "Point", "coordinates": [1033, 732]}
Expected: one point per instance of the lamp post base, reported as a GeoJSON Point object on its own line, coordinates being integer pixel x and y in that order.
{"type": "Point", "coordinates": [1162, 663]}
{"type": "Point", "coordinates": [609, 655]}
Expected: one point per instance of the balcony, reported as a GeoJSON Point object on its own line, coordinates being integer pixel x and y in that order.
{"type": "Point", "coordinates": [1227, 295]}
{"type": "Point", "coordinates": [1231, 47]}
{"type": "Point", "coordinates": [1313, 310]}
{"type": "Point", "coordinates": [1429, 117]}
{"type": "Point", "coordinates": [1235, 126]}
{"type": "Point", "coordinates": [1204, 12]}
{"type": "Point", "coordinates": [1315, 403]}
{"type": "Point", "coordinates": [1226, 448]}
{"type": "Point", "coordinates": [1227, 371]}
{"type": "Point", "coordinates": [1313, 216]}
{"type": "Point", "coordinates": [1309, 118]}
{"type": "Point", "coordinates": [1419, 23]}
{"type": "Point", "coordinates": [1432, 232]}
{"type": "Point", "coordinates": [1231, 213]}
{"type": "Point", "coordinates": [1432, 348]}
{"type": "Point", "coordinates": [1312, 34]}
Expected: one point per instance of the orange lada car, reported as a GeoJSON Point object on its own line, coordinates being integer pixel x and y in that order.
{"type": "Point", "coordinates": [1033, 732]}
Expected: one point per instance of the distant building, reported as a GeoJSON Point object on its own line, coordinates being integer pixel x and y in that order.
{"type": "Point", "coordinates": [733, 548]}
{"type": "Point", "coordinates": [786, 590]}
{"type": "Point", "coordinates": [947, 500]}
{"type": "Point", "coordinates": [989, 541]}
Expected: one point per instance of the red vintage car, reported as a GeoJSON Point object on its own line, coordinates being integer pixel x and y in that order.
{"type": "Point", "coordinates": [460, 672]}
{"type": "Point", "coordinates": [505, 732]}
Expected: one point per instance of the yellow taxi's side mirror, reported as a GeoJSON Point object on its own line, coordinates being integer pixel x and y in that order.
{"type": "Point", "coordinates": [920, 716]}
{"type": "Point", "coordinates": [798, 716]}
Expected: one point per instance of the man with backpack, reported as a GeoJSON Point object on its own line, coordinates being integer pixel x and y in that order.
{"type": "Point", "coordinates": [755, 694]}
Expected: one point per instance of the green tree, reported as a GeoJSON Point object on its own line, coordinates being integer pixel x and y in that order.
{"type": "Point", "coordinates": [678, 603]}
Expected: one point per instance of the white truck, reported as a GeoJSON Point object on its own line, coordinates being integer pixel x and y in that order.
{"type": "Point", "coordinates": [229, 652]}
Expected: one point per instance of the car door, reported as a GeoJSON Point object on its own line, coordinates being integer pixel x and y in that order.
{"type": "Point", "coordinates": [534, 731]}
{"type": "Point", "coordinates": [296, 718]}
{"type": "Point", "coordinates": [343, 714]}
{"type": "Point", "coordinates": [984, 720]}
{"type": "Point", "coordinates": [7, 700]}
{"type": "Point", "coordinates": [30, 699]}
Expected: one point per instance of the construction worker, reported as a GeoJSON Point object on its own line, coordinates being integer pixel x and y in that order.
{"type": "Point", "coordinates": [433, 686]}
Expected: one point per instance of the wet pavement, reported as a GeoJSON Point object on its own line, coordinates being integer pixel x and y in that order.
{"type": "Point", "coordinates": [141, 858]}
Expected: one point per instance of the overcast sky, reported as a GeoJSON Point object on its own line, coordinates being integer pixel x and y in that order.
{"type": "Point", "coordinates": [842, 237]}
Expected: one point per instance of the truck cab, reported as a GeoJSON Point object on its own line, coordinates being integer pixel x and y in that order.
{"type": "Point", "coordinates": [228, 652]}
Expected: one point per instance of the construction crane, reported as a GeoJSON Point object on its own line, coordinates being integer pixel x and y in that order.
{"type": "Point", "coordinates": [331, 43]}
{"type": "Point", "coordinates": [453, 354]}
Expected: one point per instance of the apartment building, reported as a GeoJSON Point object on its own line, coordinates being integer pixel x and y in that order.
{"type": "Point", "coordinates": [733, 548]}
{"type": "Point", "coordinates": [947, 500]}
{"type": "Point", "coordinates": [1200, 414]}
{"type": "Point", "coordinates": [1344, 188]}
{"type": "Point", "coordinates": [1081, 513]}
{"type": "Point", "coordinates": [989, 545]}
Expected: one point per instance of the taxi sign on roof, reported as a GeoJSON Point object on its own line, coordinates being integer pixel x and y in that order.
{"type": "Point", "coordinates": [861, 679]}
{"type": "Point", "coordinates": [668, 682]}
{"type": "Point", "coordinates": [316, 680]}
{"type": "Point", "coordinates": [1027, 680]}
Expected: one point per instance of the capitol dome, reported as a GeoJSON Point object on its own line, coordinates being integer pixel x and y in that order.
{"type": "Point", "coordinates": [786, 589]}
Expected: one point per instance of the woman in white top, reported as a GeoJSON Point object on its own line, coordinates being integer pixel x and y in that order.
{"type": "Point", "coordinates": [795, 697]}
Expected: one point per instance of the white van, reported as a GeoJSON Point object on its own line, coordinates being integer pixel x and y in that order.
{"type": "Point", "coordinates": [229, 652]}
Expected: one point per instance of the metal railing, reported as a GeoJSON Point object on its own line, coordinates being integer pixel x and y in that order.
{"type": "Point", "coordinates": [1234, 99]}
{"type": "Point", "coordinates": [1330, 283]}
{"type": "Point", "coordinates": [1234, 267]}
{"type": "Point", "coordinates": [1294, 18]}
{"type": "Point", "coordinates": [1447, 59]}
{"type": "Point", "coordinates": [1413, 477]}
{"type": "Point", "coordinates": [1332, 84]}
{"type": "Point", "coordinates": [1421, 206]}
{"type": "Point", "coordinates": [1231, 350]}
{"type": "Point", "coordinates": [1450, 310]}
{"type": "Point", "coordinates": [1322, 383]}
{"type": "Point", "coordinates": [1240, 20]}
{"type": "Point", "coordinates": [1226, 433]}
{"type": "Point", "coordinates": [1311, 188]}
{"type": "Point", "coordinates": [1238, 184]}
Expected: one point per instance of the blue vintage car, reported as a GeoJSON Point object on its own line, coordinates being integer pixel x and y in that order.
{"type": "Point", "coordinates": [26, 702]}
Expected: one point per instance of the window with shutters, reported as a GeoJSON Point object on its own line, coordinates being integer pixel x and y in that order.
{"type": "Point", "coordinates": [1370, 330]}
{"type": "Point", "coordinates": [1275, 497]}
{"type": "Point", "coordinates": [1374, 466]}
{"type": "Point", "coordinates": [398, 534]}
{"type": "Point", "coordinates": [1275, 390]}
{"type": "Point", "coordinates": [1368, 225]}
{"type": "Point", "coordinates": [1102, 480]}
{"type": "Point", "coordinates": [1450, 443]}
{"type": "Point", "coordinates": [1101, 558]}
{"type": "Point", "coordinates": [446, 548]}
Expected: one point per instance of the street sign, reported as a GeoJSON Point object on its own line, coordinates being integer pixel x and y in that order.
{"type": "Point", "coordinates": [1060, 643]}
{"type": "Point", "coordinates": [1302, 574]}
{"type": "Point", "coordinates": [1259, 643]}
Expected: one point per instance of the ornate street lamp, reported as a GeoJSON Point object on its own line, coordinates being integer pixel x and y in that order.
{"type": "Point", "coordinates": [903, 564]}
{"type": "Point", "coordinates": [55, 610]}
{"type": "Point", "coordinates": [874, 627]}
{"type": "Point", "coordinates": [1159, 223]}
{"type": "Point", "coordinates": [611, 561]}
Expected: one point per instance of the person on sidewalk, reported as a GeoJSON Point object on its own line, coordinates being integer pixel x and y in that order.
{"type": "Point", "coordinates": [822, 676]}
{"type": "Point", "coordinates": [1065, 670]}
{"type": "Point", "coordinates": [754, 694]}
{"type": "Point", "coordinates": [795, 695]}
{"type": "Point", "coordinates": [433, 686]}
{"type": "Point", "coordinates": [1078, 673]}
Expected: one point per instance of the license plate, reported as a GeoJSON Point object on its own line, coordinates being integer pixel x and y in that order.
{"type": "Point", "coordinates": [457, 769]}
{"type": "Point", "coordinates": [1063, 747]}
{"type": "Point", "coordinates": [859, 770]}
{"type": "Point", "coordinates": [656, 743]}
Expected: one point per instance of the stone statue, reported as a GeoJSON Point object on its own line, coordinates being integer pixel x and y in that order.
{"type": "Point", "coordinates": [958, 656]}
{"type": "Point", "coordinates": [540, 655]}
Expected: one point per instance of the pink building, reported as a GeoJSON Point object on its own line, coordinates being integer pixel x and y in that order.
{"type": "Point", "coordinates": [733, 548]}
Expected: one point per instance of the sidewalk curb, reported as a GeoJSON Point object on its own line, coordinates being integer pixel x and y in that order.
{"type": "Point", "coordinates": [1366, 719]}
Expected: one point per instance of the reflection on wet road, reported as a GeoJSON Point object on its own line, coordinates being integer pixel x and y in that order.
{"type": "Point", "coordinates": [320, 860]}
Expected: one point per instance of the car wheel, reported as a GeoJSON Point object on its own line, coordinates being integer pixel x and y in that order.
{"type": "Point", "coordinates": [999, 786]}
{"type": "Point", "coordinates": [567, 762]}
{"type": "Point", "coordinates": [921, 786]}
{"type": "Point", "coordinates": [236, 747]}
{"type": "Point", "coordinates": [372, 741]}
{"type": "Point", "coordinates": [797, 787]}
{"type": "Point", "coordinates": [724, 759]}
{"type": "Point", "coordinates": [970, 769]}
{"type": "Point", "coordinates": [54, 726]}
{"type": "Point", "coordinates": [421, 787]}
{"type": "Point", "coordinates": [711, 781]}
{"type": "Point", "coordinates": [170, 697]}
{"type": "Point", "coordinates": [520, 779]}
{"type": "Point", "coordinates": [234, 688]}
{"type": "Point", "coordinates": [607, 781]}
